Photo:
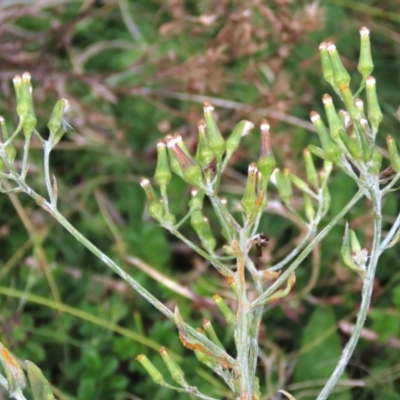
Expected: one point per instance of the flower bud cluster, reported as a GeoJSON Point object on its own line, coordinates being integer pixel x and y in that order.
{"type": "Point", "coordinates": [351, 134]}
{"type": "Point", "coordinates": [57, 125]}
{"type": "Point", "coordinates": [203, 173]}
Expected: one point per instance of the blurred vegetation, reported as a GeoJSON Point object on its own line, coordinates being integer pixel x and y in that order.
{"type": "Point", "coordinates": [134, 71]}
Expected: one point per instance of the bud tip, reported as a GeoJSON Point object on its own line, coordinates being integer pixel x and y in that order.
{"type": "Point", "coordinates": [359, 103]}
{"type": "Point", "coordinates": [370, 81]}
{"type": "Point", "coordinates": [207, 106]}
{"type": "Point", "coordinates": [253, 169]}
{"type": "Point", "coordinates": [264, 126]}
{"type": "Point", "coordinates": [326, 99]}
{"type": "Point", "coordinates": [144, 182]}
{"type": "Point", "coordinates": [314, 116]}
{"type": "Point", "coordinates": [201, 124]}
{"type": "Point", "coordinates": [322, 46]}
{"type": "Point", "coordinates": [331, 47]}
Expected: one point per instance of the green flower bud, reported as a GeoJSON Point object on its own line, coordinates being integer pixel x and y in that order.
{"type": "Point", "coordinates": [252, 192]}
{"type": "Point", "coordinates": [197, 220]}
{"type": "Point", "coordinates": [351, 145]}
{"type": "Point", "coordinates": [211, 332]}
{"type": "Point", "coordinates": [344, 118]}
{"type": "Point", "coordinates": [365, 127]}
{"type": "Point", "coordinates": [56, 123]}
{"type": "Point", "coordinates": [262, 192]}
{"type": "Point", "coordinates": [349, 257]}
{"type": "Point", "coordinates": [210, 170]}
{"type": "Point", "coordinates": [326, 199]}
{"type": "Point", "coordinates": [173, 161]}
{"type": "Point", "coordinates": [163, 173]}
{"type": "Point", "coordinates": [311, 171]}
{"type": "Point", "coordinates": [335, 124]}
{"type": "Point", "coordinates": [227, 250]}
{"type": "Point", "coordinates": [283, 184]}
{"type": "Point", "coordinates": [317, 151]}
{"type": "Point", "coordinates": [325, 172]}
{"type": "Point", "coordinates": [25, 109]}
{"type": "Point", "coordinates": [204, 154]}
{"type": "Point", "coordinates": [299, 183]}
{"type": "Point", "coordinates": [365, 64]}
{"type": "Point", "coordinates": [331, 149]}
{"type": "Point", "coordinates": [17, 81]}
{"type": "Point", "coordinates": [340, 74]}
{"type": "Point", "coordinates": [241, 129]}
{"type": "Point", "coordinates": [154, 373]}
{"type": "Point", "coordinates": [347, 96]}
{"type": "Point", "coordinates": [14, 373]}
{"type": "Point", "coordinates": [181, 144]}
{"type": "Point", "coordinates": [204, 358]}
{"type": "Point", "coordinates": [215, 139]}
{"type": "Point", "coordinates": [169, 218]}
{"type": "Point", "coordinates": [288, 183]}
{"type": "Point", "coordinates": [376, 162]}
{"type": "Point", "coordinates": [266, 163]}
{"type": "Point", "coordinates": [228, 314]}
{"type": "Point", "coordinates": [207, 239]}
{"type": "Point", "coordinates": [191, 172]}
{"type": "Point", "coordinates": [393, 153]}
{"type": "Point", "coordinates": [364, 135]}
{"type": "Point", "coordinates": [4, 130]}
{"type": "Point", "coordinates": [196, 202]}
{"type": "Point", "coordinates": [41, 389]}
{"type": "Point", "coordinates": [308, 207]}
{"type": "Point", "coordinates": [10, 152]}
{"type": "Point", "coordinates": [173, 367]}
{"type": "Point", "coordinates": [354, 243]}
{"type": "Point", "coordinates": [359, 255]}
{"type": "Point", "coordinates": [232, 284]}
{"type": "Point", "coordinates": [375, 115]}
{"type": "Point", "coordinates": [155, 207]}
{"type": "Point", "coordinates": [360, 107]}
{"type": "Point", "coordinates": [202, 227]}
{"type": "Point", "coordinates": [327, 69]}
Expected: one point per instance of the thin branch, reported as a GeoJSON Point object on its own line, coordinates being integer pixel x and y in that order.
{"type": "Point", "coordinates": [365, 299]}
{"type": "Point", "coordinates": [259, 302]}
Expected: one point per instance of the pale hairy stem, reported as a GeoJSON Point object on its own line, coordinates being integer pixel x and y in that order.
{"type": "Point", "coordinates": [293, 253]}
{"type": "Point", "coordinates": [243, 324]}
{"type": "Point", "coordinates": [390, 235]}
{"type": "Point", "coordinates": [365, 298]}
{"type": "Point", "coordinates": [47, 178]}
{"type": "Point", "coordinates": [389, 186]}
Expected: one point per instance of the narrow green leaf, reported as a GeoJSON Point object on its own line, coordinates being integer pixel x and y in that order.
{"type": "Point", "coordinates": [320, 352]}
